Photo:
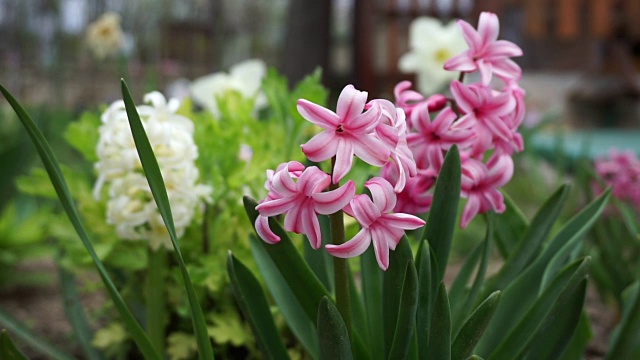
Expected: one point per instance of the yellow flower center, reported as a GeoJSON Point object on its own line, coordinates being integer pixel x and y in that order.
{"type": "Point", "coordinates": [442, 55]}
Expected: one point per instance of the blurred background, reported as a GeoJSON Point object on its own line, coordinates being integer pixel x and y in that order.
{"type": "Point", "coordinates": [579, 51]}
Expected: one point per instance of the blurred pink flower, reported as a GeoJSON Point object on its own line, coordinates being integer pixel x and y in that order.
{"type": "Point", "coordinates": [378, 225]}
{"type": "Point", "coordinates": [416, 196]}
{"type": "Point", "coordinates": [621, 171]}
{"type": "Point", "coordinates": [348, 131]}
{"type": "Point", "coordinates": [407, 100]}
{"type": "Point", "coordinates": [484, 110]}
{"type": "Point", "coordinates": [435, 136]}
{"type": "Point", "coordinates": [301, 200]}
{"type": "Point", "coordinates": [480, 185]}
{"type": "Point", "coordinates": [486, 53]}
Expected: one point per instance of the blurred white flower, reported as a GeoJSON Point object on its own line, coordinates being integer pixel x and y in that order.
{"type": "Point", "coordinates": [104, 36]}
{"type": "Point", "coordinates": [245, 78]}
{"type": "Point", "coordinates": [131, 207]}
{"type": "Point", "coordinates": [246, 153]}
{"type": "Point", "coordinates": [431, 44]}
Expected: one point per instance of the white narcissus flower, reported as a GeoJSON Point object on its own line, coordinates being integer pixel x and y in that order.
{"type": "Point", "coordinates": [104, 36]}
{"type": "Point", "coordinates": [131, 207]}
{"type": "Point", "coordinates": [431, 44]}
{"type": "Point", "coordinates": [245, 78]}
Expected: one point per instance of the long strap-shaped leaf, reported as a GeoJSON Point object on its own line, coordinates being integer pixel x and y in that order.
{"type": "Point", "coordinates": [334, 337]}
{"type": "Point", "coordinates": [60, 185]}
{"type": "Point", "coordinates": [156, 183]}
{"type": "Point", "coordinates": [254, 306]}
{"type": "Point", "coordinates": [8, 350]}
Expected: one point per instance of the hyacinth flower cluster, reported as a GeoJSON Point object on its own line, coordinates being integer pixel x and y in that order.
{"type": "Point", "coordinates": [408, 141]}
{"type": "Point", "coordinates": [621, 171]}
{"type": "Point", "coordinates": [131, 208]}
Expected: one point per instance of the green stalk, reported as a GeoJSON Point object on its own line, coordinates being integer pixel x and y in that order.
{"type": "Point", "coordinates": [156, 297]}
{"type": "Point", "coordinates": [340, 266]}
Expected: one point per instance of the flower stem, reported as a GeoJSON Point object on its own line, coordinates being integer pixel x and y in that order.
{"type": "Point", "coordinates": [340, 266]}
{"type": "Point", "coordinates": [156, 298]}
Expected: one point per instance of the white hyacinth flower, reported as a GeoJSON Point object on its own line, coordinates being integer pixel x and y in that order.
{"type": "Point", "coordinates": [131, 208]}
{"type": "Point", "coordinates": [431, 44]}
{"type": "Point", "coordinates": [245, 78]}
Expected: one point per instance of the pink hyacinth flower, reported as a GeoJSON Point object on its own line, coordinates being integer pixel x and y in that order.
{"type": "Point", "coordinates": [378, 225]}
{"type": "Point", "coordinates": [416, 198]}
{"type": "Point", "coordinates": [348, 131]}
{"type": "Point", "coordinates": [392, 130]}
{"type": "Point", "coordinates": [408, 99]}
{"type": "Point", "coordinates": [435, 136]}
{"type": "Point", "coordinates": [486, 53]}
{"type": "Point", "coordinates": [480, 185]}
{"type": "Point", "coordinates": [301, 200]}
{"type": "Point", "coordinates": [484, 111]}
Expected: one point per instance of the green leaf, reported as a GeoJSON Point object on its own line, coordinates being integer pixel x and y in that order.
{"type": "Point", "coordinates": [392, 282]}
{"type": "Point", "coordinates": [561, 323]}
{"type": "Point", "coordinates": [333, 334]}
{"type": "Point", "coordinates": [517, 297]}
{"type": "Point", "coordinates": [156, 184]}
{"type": "Point", "coordinates": [532, 241]}
{"type": "Point", "coordinates": [568, 237]}
{"type": "Point", "coordinates": [480, 274]}
{"type": "Point", "coordinates": [440, 334]}
{"type": "Point", "coordinates": [459, 288]}
{"type": "Point", "coordinates": [405, 325]}
{"type": "Point", "coordinates": [83, 135]}
{"type": "Point", "coordinates": [297, 274]}
{"type": "Point", "coordinates": [321, 262]}
{"type": "Point", "coordinates": [26, 336]}
{"type": "Point", "coordinates": [424, 268]}
{"type": "Point", "coordinates": [75, 313]}
{"type": "Point", "coordinates": [473, 328]}
{"type": "Point", "coordinates": [372, 294]}
{"type": "Point", "coordinates": [509, 227]}
{"type": "Point", "coordinates": [442, 217]}
{"type": "Point", "coordinates": [59, 183]}
{"type": "Point", "coordinates": [579, 340]}
{"type": "Point", "coordinates": [299, 322]}
{"type": "Point", "coordinates": [8, 350]}
{"type": "Point", "coordinates": [359, 327]}
{"type": "Point", "coordinates": [254, 306]}
{"type": "Point", "coordinates": [625, 340]}
{"type": "Point", "coordinates": [519, 336]}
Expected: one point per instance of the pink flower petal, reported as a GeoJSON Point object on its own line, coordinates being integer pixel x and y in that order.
{"type": "Point", "coordinates": [380, 248]}
{"type": "Point", "coordinates": [503, 48]}
{"type": "Point", "coordinates": [352, 248]}
{"type": "Point", "coordinates": [350, 103]}
{"type": "Point", "coordinates": [318, 115]}
{"type": "Point", "coordinates": [471, 209]}
{"type": "Point", "coordinates": [371, 150]}
{"type": "Point", "coordinates": [403, 221]}
{"type": "Point", "coordinates": [313, 180]}
{"type": "Point", "coordinates": [264, 231]}
{"type": "Point", "coordinates": [466, 98]}
{"type": "Point", "coordinates": [321, 147]}
{"type": "Point", "coordinates": [283, 184]}
{"type": "Point", "coordinates": [344, 159]}
{"type": "Point", "coordinates": [384, 198]}
{"type": "Point", "coordinates": [276, 206]}
{"type": "Point", "coordinates": [293, 220]}
{"type": "Point", "coordinates": [311, 227]}
{"type": "Point", "coordinates": [488, 27]}
{"type": "Point", "coordinates": [364, 210]}
{"type": "Point", "coordinates": [463, 62]}
{"type": "Point", "coordinates": [364, 122]}
{"type": "Point", "coordinates": [471, 36]}
{"type": "Point", "coordinates": [331, 201]}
